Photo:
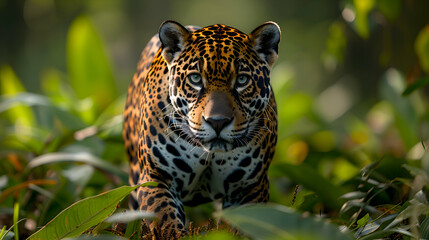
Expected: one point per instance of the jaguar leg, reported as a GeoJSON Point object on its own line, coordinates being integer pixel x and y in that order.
{"type": "Point", "coordinates": [258, 192]}
{"type": "Point", "coordinates": [168, 210]}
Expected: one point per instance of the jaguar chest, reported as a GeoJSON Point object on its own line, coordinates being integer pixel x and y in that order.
{"type": "Point", "coordinates": [194, 172]}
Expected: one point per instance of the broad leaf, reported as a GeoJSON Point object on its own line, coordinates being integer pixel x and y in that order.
{"type": "Point", "coordinates": [90, 71]}
{"type": "Point", "coordinates": [9, 87]}
{"type": "Point", "coordinates": [82, 215]}
{"type": "Point", "coordinates": [279, 222]}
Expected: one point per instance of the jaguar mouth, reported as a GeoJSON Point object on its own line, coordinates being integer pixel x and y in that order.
{"type": "Point", "coordinates": [217, 145]}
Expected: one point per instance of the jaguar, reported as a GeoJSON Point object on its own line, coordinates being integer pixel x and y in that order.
{"type": "Point", "coordinates": [200, 119]}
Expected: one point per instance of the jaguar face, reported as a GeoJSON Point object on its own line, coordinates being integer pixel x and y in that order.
{"type": "Point", "coordinates": [219, 84]}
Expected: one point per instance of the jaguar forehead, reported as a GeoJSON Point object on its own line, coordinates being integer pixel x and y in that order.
{"type": "Point", "coordinates": [241, 65]}
{"type": "Point", "coordinates": [237, 64]}
{"type": "Point", "coordinates": [218, 36]}
{"type": "Point", "coordinates": [200, 64]}
{"type": "Point", "coordinates": [222, 70]}
{"type": "Point", "coordinates": [195, 64]}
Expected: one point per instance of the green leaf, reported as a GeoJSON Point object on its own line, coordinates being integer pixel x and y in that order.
{"type": "Point", "coordinates": [279, 222]}
{"type": "Point", "coordinates": [133, 229]}
{"type": "Point", "coordinates": [3, 231]}
{"type": "Point", "coordinates": [98, 237]}
{"type": "Point", "coordinates": [10, 83]}
{"type": "Point", "coordinates": [422, 82]}
{"type": "Point", "coordinates": [87, 158]}
{"type": "Point", "coordinates": [422, 48]}
{"type": "Point", "coordinates": [214, 235]}
{"type": "Point", "coordinates": [363, 8]}
{"type": "Point", "coordinates": [15, 220]}
{"type": "Point", "coordinates": [391, 9]}
{"type": "Point", "coordinates": [90, 71]}
{"type": "Point", "coordinates": [312, 180]}
{"type": "Point", "coordinates": [336, 44]}
{"type": "Point", "coordinates": [424, 229]}
{"type": "Point", "coordinates": [82, 215]}
{"type": "Point", "coordinates": [8, 234]}
{"type": "Point", "coordinates": [294, 108]}
{"type": "Point", "coordinates": [363, 221]}
{"type": "Point", "coordinates": [54, 86]}
{"type": "Point", "coordinates": [9, 87]}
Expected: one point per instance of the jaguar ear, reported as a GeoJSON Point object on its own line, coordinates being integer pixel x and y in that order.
{"type": "Point", "coordinates": [173, 37]}
{"type": "Point", "coordinates": [265, 40]}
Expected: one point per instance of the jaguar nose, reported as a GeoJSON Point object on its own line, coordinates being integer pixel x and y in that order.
{"type": "Point", "coordinates": [218, 123]}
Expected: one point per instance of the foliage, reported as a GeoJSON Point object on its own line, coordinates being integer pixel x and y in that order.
{"type": "Point", "coordinates": [82, 215]}
{"type": "Point", "coordinates": [359, 166]}
{"type": "Point", "coordinates": [53, 143]}
{"type": "Point", "coordinates": [278, 222]}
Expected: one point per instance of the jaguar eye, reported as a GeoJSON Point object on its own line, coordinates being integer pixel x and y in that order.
{"type": "Point", "coordinates": [242, 80]}
{"type": "Point", "coordinates": [195, 78]}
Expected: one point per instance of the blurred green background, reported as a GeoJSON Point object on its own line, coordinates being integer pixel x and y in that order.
{"type": "Point", "coordinates": [351, 83]}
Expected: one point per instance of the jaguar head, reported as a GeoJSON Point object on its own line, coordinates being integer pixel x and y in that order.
{"type": "Point", "coordinates": [219, 82]}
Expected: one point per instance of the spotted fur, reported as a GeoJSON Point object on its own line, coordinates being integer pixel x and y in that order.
{"type": "Point", "coordinates": [200, 119]}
